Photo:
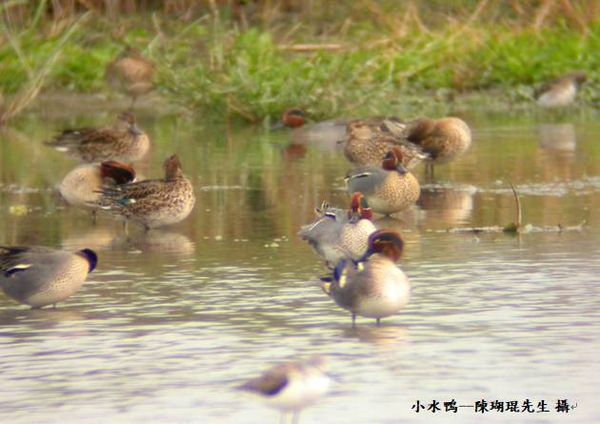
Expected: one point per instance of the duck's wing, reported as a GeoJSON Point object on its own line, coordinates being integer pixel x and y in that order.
{"type": "Point", "coordinates": [365, 179]}
{"type": "Point", "coordinates": [15, 258]}
{"type": "Point", "coordinates": [127, 194]}
{"type": "Point", "coordinates": [270, 383]}
{"type": "Point", "coordinates": [70, 137]}
{"type": "Point", "coordinates": [103, 136]}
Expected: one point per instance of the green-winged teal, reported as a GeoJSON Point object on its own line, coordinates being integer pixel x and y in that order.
{"type": "Point", "coordinates": [81, 186]}
{"type": "Point", "coordinates": [368, 140]}
{"type": "Point", "coordinates": [373, 287]}
{"type": "Point", "coordinates": [291, 118]}
{"type": "Point", "coordinates": [152, 203]}
{"type": "Point", "coordinates": [560, 92]}
{"type": "Point", "coordinates": [440, 139]}
{"type": "Point", "coordinates": [291, 386]}
{"type": "Point", "coordinates": [123, 141]}
{"type": "Point", "coordinates": [40, 276]}
{"type": "Point", "coordinates": [389, 188]}
{"type": "Point", "coordinates": [131, 72]}
{"type": "Point", "coordinates": [337, 234]}
{"type": "Point", "coordinates": [323, 135]}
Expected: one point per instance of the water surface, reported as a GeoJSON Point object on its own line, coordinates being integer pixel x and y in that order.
{"type": "Point", "coordinates": [173, 319]}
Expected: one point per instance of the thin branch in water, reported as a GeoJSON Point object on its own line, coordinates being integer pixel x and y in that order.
{"type": "Point", "coordinates": [519, 218]}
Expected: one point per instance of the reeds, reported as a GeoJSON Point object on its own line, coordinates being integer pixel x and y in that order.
{"type": "Point", "coordinates": [255, 58]}
{"type": "Point", "coordinates": [35, 76]}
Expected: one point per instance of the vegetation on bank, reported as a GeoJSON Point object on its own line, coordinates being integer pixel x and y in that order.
{"type": "Point", "coordinates": [344, 59]}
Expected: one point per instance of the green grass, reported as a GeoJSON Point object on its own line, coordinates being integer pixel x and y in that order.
{"type": "Point", "coordinates": [210, 66]}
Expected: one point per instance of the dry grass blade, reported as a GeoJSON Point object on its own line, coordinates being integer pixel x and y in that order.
{"type": "Point", "coordinates": [30, 91]}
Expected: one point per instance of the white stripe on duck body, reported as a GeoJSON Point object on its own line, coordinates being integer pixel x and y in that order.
{"type": "Point", "coordinates": [123, 141]}
{"type": "Point", "coordinates": [152, 203]}
{"type": "Point", "coordinates": [338, 233]}
{"type": "Point", "coordinates": [39, 276]}
{"type": "Point", "coordinates": [292, 386]}
{"type": "Point", "coordinates": [81, 186]}
{"type": "Point", "coordinates": [389, 187]}
{"type": "Point", "coordinates": [372, 287]}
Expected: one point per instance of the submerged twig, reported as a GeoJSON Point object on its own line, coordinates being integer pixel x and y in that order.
{"type": "Point", "coordinates": [517, 227]}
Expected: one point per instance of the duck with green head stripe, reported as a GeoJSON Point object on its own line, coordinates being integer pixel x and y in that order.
{"type": "Point", "coordinates": [372, 287]}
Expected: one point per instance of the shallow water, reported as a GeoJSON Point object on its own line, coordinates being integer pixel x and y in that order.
{"type": "Point", "coordinates": [172, 320]}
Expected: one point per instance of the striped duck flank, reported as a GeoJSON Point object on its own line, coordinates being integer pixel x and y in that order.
{"type": "Point", "coordinates": [152, 203]}
{"type": "Point", "coordinates": [388, 188]}
{"type": "Point", "coordinates": [368, 140]}
{"type": "Point", "coordinates": [123, 141]}
{"type": "Point", "coordinates": [372, 287]}
{"type": "Point", "coordinates": [338, 233]}
{"type": "Point", "coordinates": [291, 386]}
{"type": "Point", "coordinates": [40, 276]}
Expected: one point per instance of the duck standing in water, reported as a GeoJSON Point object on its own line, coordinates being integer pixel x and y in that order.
{"type": "Point", "coordinates": [373, 287]}
{"type": "Point", "coordinates": [388, 188]}
{"type": "Point", "coordinates": [40, 276]}
{"type": "Point", "coordinates": [123, 141]}
{"type": "Point", "coordinates": [152, 203]}
{"type": "Point", "coordinates": [560, 92]}
{"type": "Point", "coordinates": [292, 386]}
{"type": "Point", "coordinates": [338, 234]}
{"type": "Point", "coordinates": [441, 140]}
{"type": "Point", "coordinates": [81, 186]}
{"type": "Point", "coordinates": [131, 72]}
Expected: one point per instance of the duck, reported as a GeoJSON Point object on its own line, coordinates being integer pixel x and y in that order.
{"type": "Point", "coordinates": [560, 92]}
{"type": "Point", "coordinates": [372, 287]}
{"type": "Point", "coordinates": [323, 135]}
{"type": "Point", "coordinates": [39, 276]}
{"type": "Point", "coordinates": [152, 203]}
{"type": "Point", "coordinates": [292, 386]}
{"type": "Point", "coordinates": [81, 186]}
{"type": "Point", "coordinates": [368, 140]}
{"type": "Point", "coordinates": [388, 188]}
{"type": "Point", "coordinates": [131, 72]}
{"type": "Point", "coordinates": [291, 118]}
{"type": "Point", "coordinates": [123, 141]}
{"type": "Point", "coordinates": [337, 233]}
{"type": "Point", "coordinates": [441, 140]}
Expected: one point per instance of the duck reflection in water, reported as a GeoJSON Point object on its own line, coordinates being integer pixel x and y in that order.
{"type": "Point", "coordinates": [445, 207]}
{"type": "Point", "coordinates": [157, 241]}
{"type": "Point", "coordinates": [559, 137]}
